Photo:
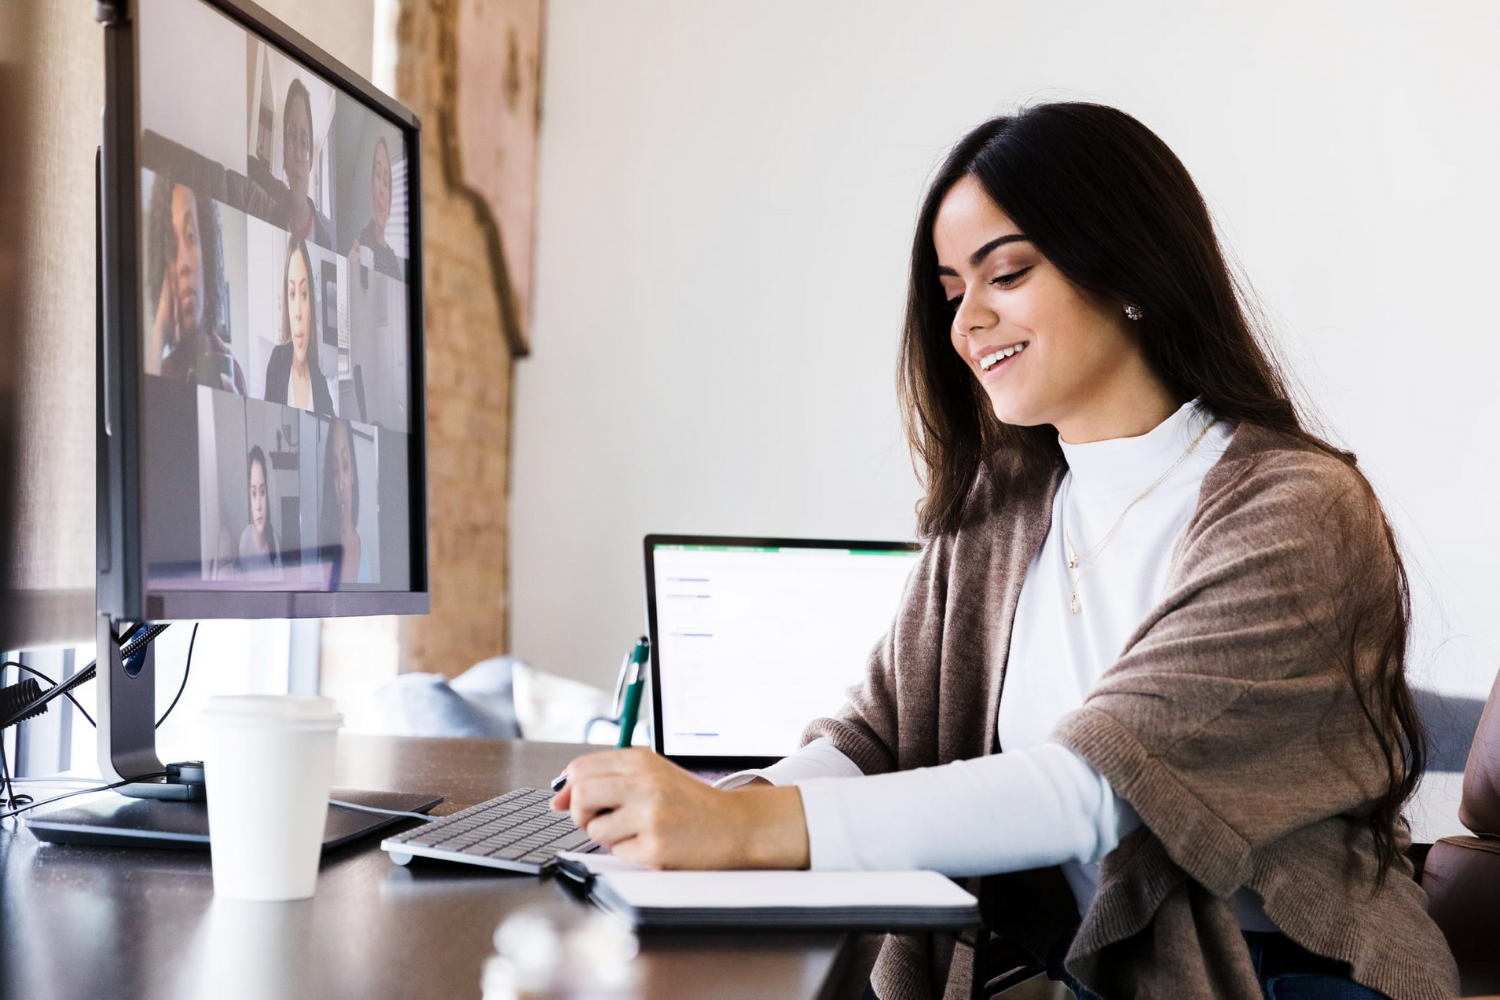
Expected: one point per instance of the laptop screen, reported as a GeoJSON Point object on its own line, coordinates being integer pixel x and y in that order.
{"type": "Point", "coordinates": [753, 639]}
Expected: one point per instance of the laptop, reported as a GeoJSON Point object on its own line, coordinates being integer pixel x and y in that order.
{"type": "Point", "coordinates": [753, 638]}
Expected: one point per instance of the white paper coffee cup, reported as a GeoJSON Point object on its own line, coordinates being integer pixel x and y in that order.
{"type": "Point", "coordinates": [268, 764]}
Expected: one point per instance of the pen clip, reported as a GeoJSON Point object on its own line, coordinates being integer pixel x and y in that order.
{"type": "Point", "coordinates": [621, 682]}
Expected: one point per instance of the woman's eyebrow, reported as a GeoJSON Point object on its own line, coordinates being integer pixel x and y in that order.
{"type": "Point", "coordinates": [979, 255]}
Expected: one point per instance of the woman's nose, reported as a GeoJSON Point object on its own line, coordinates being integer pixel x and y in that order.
{"type": "Point", "coordinates": [973, 317]}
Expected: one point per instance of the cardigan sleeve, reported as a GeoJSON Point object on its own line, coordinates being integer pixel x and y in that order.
{"type": "Point", "coordinates": [1230, 720]}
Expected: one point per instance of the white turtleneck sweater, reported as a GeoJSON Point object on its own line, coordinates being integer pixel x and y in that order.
{"type": "Point", "coordinates": [1037, 803]}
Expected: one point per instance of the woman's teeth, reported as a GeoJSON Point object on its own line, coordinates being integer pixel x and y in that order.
{"type": "Point", "coordinates": [991, 360]}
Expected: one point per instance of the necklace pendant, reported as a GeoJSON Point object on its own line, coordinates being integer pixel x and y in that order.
{"type": "Point", "coordinates": [1073, 563]}
{"type": "Point", "coordinates": [1073, 603]}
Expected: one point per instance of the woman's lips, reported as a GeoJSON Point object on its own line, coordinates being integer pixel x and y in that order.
{"type": "Point", "coordinates": [998, 371]}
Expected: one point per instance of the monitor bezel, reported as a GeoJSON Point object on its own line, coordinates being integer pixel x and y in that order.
{"type": "Point", "coordinates": [720, 762]}
{"type": "Point", "coordinates": [122, 590]}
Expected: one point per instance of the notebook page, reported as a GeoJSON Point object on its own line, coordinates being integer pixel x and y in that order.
{"type": "Point", "coordinates": [783, 889]}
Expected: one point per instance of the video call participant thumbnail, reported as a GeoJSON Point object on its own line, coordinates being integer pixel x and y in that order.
{"type": "Point", "coordinates": [339, 521]}
{"type": "Point", "coordinates": [372, 236]}
{"type": "Point", "coordinates": [293, 374]}
{"type": "Point", "coordinates": [187, 339]}
{"type": "Point", "coordinates": [288, 205]}
{"type": "Point", "coordinates": [259, 555]}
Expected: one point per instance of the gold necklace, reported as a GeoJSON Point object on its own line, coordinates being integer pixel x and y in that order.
{"type": "Point", "coordinates": [1094, 551]}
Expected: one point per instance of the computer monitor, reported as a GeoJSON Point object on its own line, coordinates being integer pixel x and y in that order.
{"type": "Point", "coordinates": [753, 638]}
{"type": "Point", "coordinates": [261, 413]}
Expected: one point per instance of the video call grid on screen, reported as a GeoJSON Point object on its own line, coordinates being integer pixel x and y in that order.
{"type": "Point", "coordinates": [754, 642]}
{"type": "Point", "coordinates": [276, 318]}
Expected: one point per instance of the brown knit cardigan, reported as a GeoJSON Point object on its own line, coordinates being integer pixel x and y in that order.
{"type": "Point", "coordinates": [1227, 722]}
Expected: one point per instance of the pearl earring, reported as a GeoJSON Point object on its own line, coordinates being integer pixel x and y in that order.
{"type": "Point", "coordinates": [1133, 311]}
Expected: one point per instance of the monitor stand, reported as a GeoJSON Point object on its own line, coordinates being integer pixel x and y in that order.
{"type": "Point", "coordinates": [165, 806]}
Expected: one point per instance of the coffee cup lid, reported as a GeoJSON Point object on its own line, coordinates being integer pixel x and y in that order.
{"type": "Point", "coordinates": [290, 711]}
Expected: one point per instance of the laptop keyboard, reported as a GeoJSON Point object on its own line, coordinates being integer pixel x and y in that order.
{"type": "Point", "coordinates": [516, 831]}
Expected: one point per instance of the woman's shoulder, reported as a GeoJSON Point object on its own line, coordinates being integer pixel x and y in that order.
{"type": "Point", "coordinates": [1007, 508]}
{"type": "Point", "coordinates": [1263, 466]}
{"type": "Point", "coordinates": [277, 368]}
{"type": "Point", "coordinates": [322, 397]}
{"type": "Point", "coordinates": [1275, 492]}
{"type": "Point", "coordinates": [1005, 491]}
{"type": "Point", "coordinates": [281, 360]}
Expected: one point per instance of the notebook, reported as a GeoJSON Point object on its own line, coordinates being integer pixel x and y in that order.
{"type": "Point", "coordinates": [766, 900]}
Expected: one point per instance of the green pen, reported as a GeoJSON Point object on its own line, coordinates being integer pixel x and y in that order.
{"type": "Point", "coordinates": [632, 708]}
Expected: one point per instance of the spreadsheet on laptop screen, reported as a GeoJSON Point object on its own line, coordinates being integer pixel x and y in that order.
{"type": "Point", "coordinates": [755, 642]}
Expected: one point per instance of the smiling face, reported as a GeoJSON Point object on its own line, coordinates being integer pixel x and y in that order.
{"type": "Point", "coordinates": [258, 498]}
{"type": "Point", "coordinates": [187, 261]}
{"type": "Point", "coordinates": [1045, 350]}
{"type": "Point", "coordinates": [298, 306]}
{"type": "Point", "coordinates": [380, 187]}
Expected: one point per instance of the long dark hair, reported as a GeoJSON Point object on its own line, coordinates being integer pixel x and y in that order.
{"type": "Point", "coordinates": [330, 525]}
{"type": "Point", "coordinates": [296, 246]}
{"type": "Point", "coordinates": [258, 457]}
{"type": "Point", "coordinates": [297, 91]}
{"type": "Point", "coordinates": [161, 247]}
{"type": "Point", "coordinates": [1114, 210]}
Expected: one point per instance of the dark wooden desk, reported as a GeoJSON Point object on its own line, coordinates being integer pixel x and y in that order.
{"type": "Point", "coordinates": [97, 922]}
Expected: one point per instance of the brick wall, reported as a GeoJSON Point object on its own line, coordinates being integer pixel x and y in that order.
{"type": "Point", "coordinates": [470, 372]}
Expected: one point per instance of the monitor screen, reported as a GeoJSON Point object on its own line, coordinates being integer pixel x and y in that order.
{"type": "Point", "coordinates": [753, 642]}
{"type": "Point", "coordinates": [278, 443]}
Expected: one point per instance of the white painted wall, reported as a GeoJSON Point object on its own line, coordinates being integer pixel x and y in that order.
{"type": "Point", "coordinates": [726, 195]}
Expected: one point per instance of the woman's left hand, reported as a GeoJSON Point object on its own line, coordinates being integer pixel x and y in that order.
{"type": "Point", "coordinates": [650, 812]}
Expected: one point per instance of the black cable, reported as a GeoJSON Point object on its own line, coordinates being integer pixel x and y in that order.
{"type": "Point", "coordinates": [81, 791]}
{"type": "Point", "coordinates": [383, 812]}
{"type": "Point", "coordinates": [66, 694]}
{"type": "Point", "coordinates": [141, 635]}
{"type": "Point", "coordinates": [10, 790]}
{"type": "Point", "coordinates": [187, 667]}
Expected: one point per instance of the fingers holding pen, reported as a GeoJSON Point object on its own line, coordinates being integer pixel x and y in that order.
{"type": "Point", "coordinates": [594, 797]}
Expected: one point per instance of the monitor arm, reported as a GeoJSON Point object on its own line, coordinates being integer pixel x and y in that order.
{"type": "Point", "coordinates": [127, 724]}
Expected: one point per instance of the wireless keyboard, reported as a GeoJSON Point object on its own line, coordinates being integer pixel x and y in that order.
{"type": "Point", "coordinates": [516, 831]}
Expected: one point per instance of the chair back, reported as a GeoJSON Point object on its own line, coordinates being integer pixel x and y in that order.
{"type": "Point", "coordinates": [1479, 809]}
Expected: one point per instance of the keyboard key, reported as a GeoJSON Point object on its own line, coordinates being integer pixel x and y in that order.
{"type": "Point", "coordinates": [573, 840]}
{"type": "Point", "coordinates": [518, 826]}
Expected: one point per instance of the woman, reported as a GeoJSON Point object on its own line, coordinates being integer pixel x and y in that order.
{"type": "Point", "coordinates": [188, 340]}
{"type": "Point", "coordinates": [296, 212]}
{"type": "Point", "coordinates": [339, 523]}
{"type": "Point", "coordinates": [1179, 616]}
{"type": "Point", "coordinates": [258, 555]}
{"type": "Point", "coordinates": [293, 376]}
{"type": "Point", "coordinates": [373, 235]}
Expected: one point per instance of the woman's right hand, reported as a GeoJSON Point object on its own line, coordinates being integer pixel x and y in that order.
{"type": "Point", "coordinates": [164, 330]}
